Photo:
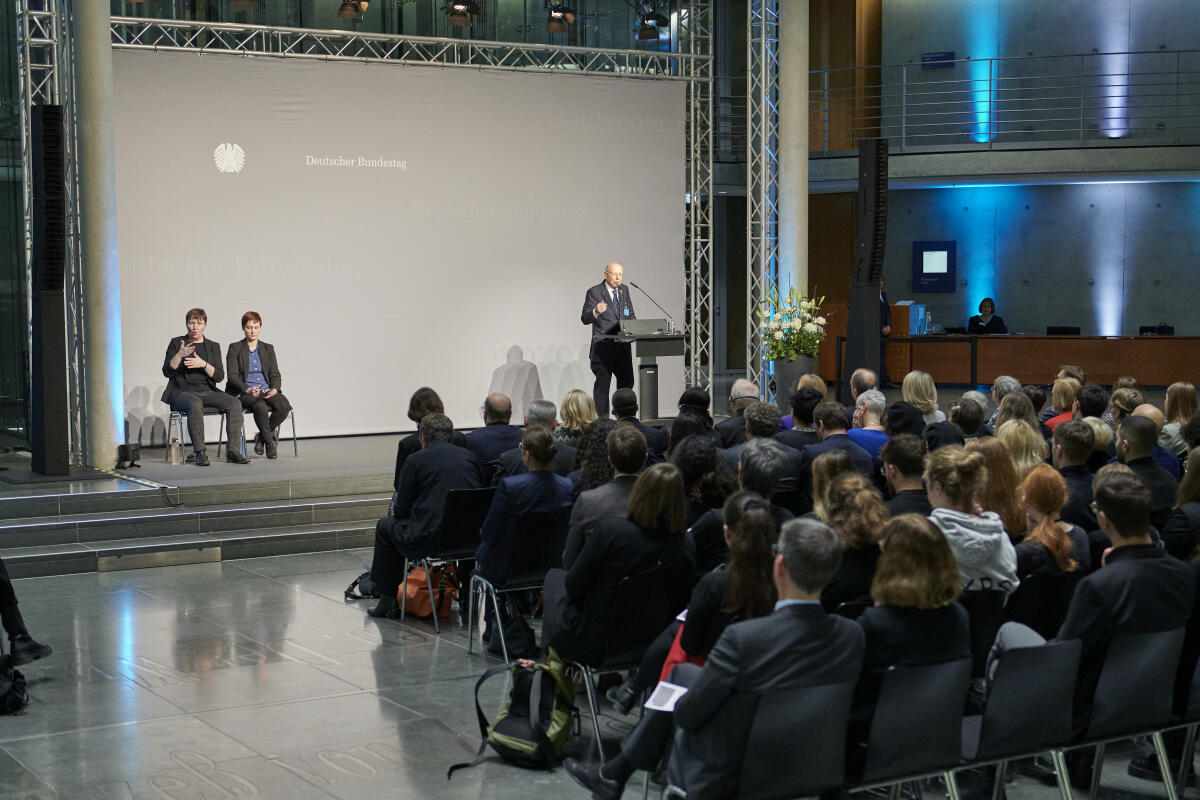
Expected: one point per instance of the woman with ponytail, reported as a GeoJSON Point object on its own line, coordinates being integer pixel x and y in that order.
{"type": "Point", "coordinates": [1051, 546]}
{"type": "Point", "coordinates": [857, 514]}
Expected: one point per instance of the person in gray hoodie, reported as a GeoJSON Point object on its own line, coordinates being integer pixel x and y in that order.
{"type": "Point", "coordinates": [985, 554]}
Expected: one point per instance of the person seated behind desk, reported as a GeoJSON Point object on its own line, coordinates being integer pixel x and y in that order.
{"type": "Point", "coordinates": [254, 378]}
{"type": "Point", "coordinates": [986, 321]}
{"type": "Point", "coordinates": [410, 529]}
{"type": "Point", "coordinates": [192, 367]}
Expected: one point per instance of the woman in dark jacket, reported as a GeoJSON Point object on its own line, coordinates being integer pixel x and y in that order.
{"type": "Point", "coordinates": [253, 376]}
{"type": "Point", "coordinates": [1181, 533]}
{"type": "Point", "coordinates": [578, 601]}
{"type": "Point", "coordinates": [858, 515]}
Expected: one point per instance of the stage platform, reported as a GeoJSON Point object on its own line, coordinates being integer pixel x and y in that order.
{"type": "Point", "coordinates": [328, 498]}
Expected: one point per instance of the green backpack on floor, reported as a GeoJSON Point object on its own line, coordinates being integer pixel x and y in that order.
{"type": "Point", "coordinates": [533, 727]}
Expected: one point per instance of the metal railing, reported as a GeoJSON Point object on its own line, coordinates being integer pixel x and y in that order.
{"type": "Point", "coordinates": [1105, 99]}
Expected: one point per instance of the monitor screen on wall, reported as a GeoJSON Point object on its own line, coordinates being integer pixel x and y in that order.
{"type": "Point", "coordinates": [933, 267]}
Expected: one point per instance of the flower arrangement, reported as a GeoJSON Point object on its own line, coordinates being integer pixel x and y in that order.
{"type": "Point", "coordinates": [792, 324]}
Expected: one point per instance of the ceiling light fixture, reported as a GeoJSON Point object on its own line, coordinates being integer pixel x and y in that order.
{"type": "Point", "coordinates": [650, 21]}
{"type": "Point", "coordinates": [558, 17]}
{"type": "Point", "coordinates": [352, 9]}
{"type": "Point", "coordinates": [459, 12]}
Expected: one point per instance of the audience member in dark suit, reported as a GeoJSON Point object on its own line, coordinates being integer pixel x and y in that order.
{"type": "Point", "coordinates": [1181, 533]}
{"type": "Point", "coordinates": [1069, 450]}
{"type": "Point", "coordinates": [1161, 455]}
{"type": "Point", "coordinates": [1051, 546]}
{"type": "Point", "coordinates": [1136, 437]}
{"type": "Point", "coordinates": [577, 602]}
{"type": "Point", "coordinates": [761, 421]}
{"type": "Point", "coordinates": [22, 647]}
{"type": "Point", "coordinates": [857, 515]}
{"type": "Point", "coordinates": [253, 377]}
{"type": "Point", "coordinates": [804, 401]}
{"type": "Point", "coordinates": [903, 459]}
{"type": "Point", "coordinates": [1140, 589]}
{"type": "Point", "coordinates": [795, 646]}
{"type": "Point", "coordinates": [192, 367]}
{"type": "Point", "coordinates": [707, 480]}
{"type": "Point", "coordinates": [627, 453]}
{"type": "Point", "coordinates": [915, 619]}
{"type": "Point", "coordinates": [625, 409]}
{"type": "Point", "coordinates": [760, 467]}
{"type": "Point", "coordinates": [867, 418]}
{"type": "Point", "coordinates": [540, 414]}
{"type": "Point", "coordinates": [410, 529]}
{"type": "Point", "coordinates": [741, 395]}
{"type": "Point", "coordinates": [423, 401]}
{"type": "Point", "coordinates": [496, 435]}
{"type": "Point", "coordinates": [831, 422]}
{"type": "Point", "coordinates": [536, 490]}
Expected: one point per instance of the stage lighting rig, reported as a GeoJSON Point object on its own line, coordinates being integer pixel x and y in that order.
{"type": "Point", "coordinates": [459, 12]}
{"type": "Point", "coordinates": [650, 21]}
{"type": "Point", "coordinates": [352, 9]}
{"type": "Point", "coordinates": [558, 17]}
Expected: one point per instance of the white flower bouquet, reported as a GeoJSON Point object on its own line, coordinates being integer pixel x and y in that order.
{"type": "Point", "coordinates": [792, 324]}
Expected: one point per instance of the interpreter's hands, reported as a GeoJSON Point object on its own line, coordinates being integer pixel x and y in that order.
{"type": "Point", "coordinates": [194, 362]}
{"type": "Point", "coordinates": [886, 330]}
{"type": "Point", "coordinates": [185, 348]}
{"type": "Point", "coordinates": [600, 308]}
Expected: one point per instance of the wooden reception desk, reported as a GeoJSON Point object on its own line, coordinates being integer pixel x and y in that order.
{"type": "Point", "coordinates": [1154, 360]}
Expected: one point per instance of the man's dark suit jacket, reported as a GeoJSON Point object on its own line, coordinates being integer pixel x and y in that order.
{"type": "Point", "coordinates": [910, 501]}
{"type": "Point", "coordinates": [838, 441]}
{"type": "Point", "coordinates": [425, 480]}
{"type": "Point", "coordinates": [488, 442]}
{"type": "Point", "coordinates": [528, 493]}
{"type": "Point", "coordinates": [797, 439]}
{"type": "Point", "coordinates": [791, 648]}
{"type": "Point", "coordinates": [656, 439]}
{"type": "Point", "coordinates": [788, 481]}
{"type": "Point", "coordinates": [237, 366]}
{"type": "Point", "coordinates": [1163, 488]}
{"type": "Point", "coordinates": [1181, 533]}
{"type": "Point", "coordinates": [209, 350]}
{"type": "Point", "coordinates": [708, 536]}
{"type": "Point", "coordinates": [510, 463]}
{"type": "Point", "coordinates": [412, 444]}
{"type": "Point", "coordinates": [607, 501]}
{"type": "Point", "coordinates": [1078, 510]}
{"type": "Point", "coordinates": [732, 430]}
{"type": "Point", "coordinates": [1139, 590]}
{"type": "Point", "coordinates": [608, 321]}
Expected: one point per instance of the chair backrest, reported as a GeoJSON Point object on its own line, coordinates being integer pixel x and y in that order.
{"type": "Point", "coordinates": [1041, 601]}
{"type": "Point", "coordinates": [1136, 684]}
{"type": "Point", "coordinates": [852, 609]}
{"type": "Point", "coordinates": [985, 612]}
{"type": "Point", "coordinates": [643, 605]}
{"type": "Point", "coordinates": [538, 547]}
{"type": "Point", "coordinates": [796, 744]}
{"type": "Point", "coordinates": [1029, 707]}
{"type": "Point", "coordinates": [464, 514]}
{"type": "Point", "coordinates": [917, 726]}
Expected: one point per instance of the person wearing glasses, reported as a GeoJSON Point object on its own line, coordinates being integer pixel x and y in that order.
{"type": "Point", "coordinates": [604, 307]}
{"type": "Point", "coordinates": [733, 430]}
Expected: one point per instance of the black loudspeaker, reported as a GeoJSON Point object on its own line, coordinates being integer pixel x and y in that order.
{"type": "Point", "coordinates": [49, 407]}
{"type": "Point", "coordinates": [862, 326]}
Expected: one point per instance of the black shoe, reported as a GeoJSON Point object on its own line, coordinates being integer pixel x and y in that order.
{"type": "Point", "coordinates": [589, 777]}
{"type": "Point", "coordinates": [201, 459]}
{"type": "Point", "coordinates": [1079, 767]}
{"type": "Point", "coordinates": [388, 607]}
{"type": "Point", "coordinates": [1146, 767]}
{"type": "Point", "coordinates": [272, 448]}
{"type": "Point", "coordinates": [25, 649]}
{"type": "Point", "coordinates": [234, 457]}
{"type": "Point", "coordinates": [622, 697]}
{"type": "Point", "coordinates": [258, 444]}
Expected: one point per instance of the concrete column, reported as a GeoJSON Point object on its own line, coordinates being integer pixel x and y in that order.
{"type": "Point", "coordinates": [793, 143]}
{"type": "Point", "coordinates": [103, 372]}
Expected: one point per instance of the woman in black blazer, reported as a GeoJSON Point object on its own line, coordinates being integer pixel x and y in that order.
{"type": "Point", "coordinates": [986, 320]}
{"type": "Point", "coordinates": [254, 378]}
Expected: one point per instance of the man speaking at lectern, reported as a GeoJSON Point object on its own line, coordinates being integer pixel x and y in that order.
{"type": "Point", "coordinates": [605, 306]}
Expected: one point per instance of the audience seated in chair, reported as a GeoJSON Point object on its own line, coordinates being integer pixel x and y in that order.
{"type": "Point", "coordinates": [592, 466]}
{"type": "Point", "coordinates": [496, 436]}
{"type": "Point", "coordinates": [625, 409]}
{"type": "Point", "coordinates": [903, 461]}
{"type": "Point", "coordinates": [800, 431]}
{"type": "Point", "coordinates": [741, 395]}
{"type": "Point", "coordinates": [423, 401]}
{"type": "Point", "coordinates": [1050, 545]}
{"type": "Point", "coordinates": [707, 479]}
{"type": "Point", "coordinates": [807, 383]}
{"type": "Point", "coordinates": [1179, 406]}
{"type": "Point", "coordinates": [831, 423]}
{"type": "Point", "coordinates": [999, 491]}
{"type": "Point", "coordinates": [857, 515]}
{"type": "Point", "coordinates": [411, 527]}
{"type": "Point", "coordinates": [797, 645]}
{"type": "Point", "coordinates": [867, 418]}
{"type": "Point", "coordinates": [578, 410]}
{"type": "Point", "coordinates": [627, 454]}
{"type": "Point", "coordinates": [1181, 531]}
{"type": "Point", "coordinates": [761, 421]}
{"type": "Point", "coordinates": [540, 414]}
{"type": "Point", "coordinates": [1069, 451]}
{"type": "Point", "coordinates": [1136, 438]}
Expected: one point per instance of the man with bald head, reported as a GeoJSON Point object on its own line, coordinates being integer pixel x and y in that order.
{"type": "Point", "coordinates": [1162, 456]}
{"type": "Point", "coordinates": [605, 306]}
{"type": "Point", "coordinates": [732, 431]}
{"type": "Point", "coordinates": [496, 436]}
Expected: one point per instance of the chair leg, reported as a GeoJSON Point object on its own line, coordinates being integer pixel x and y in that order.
{"type": "Point", "coordinates": [220, 434]}
{"type": "Point", "coordinates": [1001, 775]}
{"type": "Point", "coordinates": [404, 588]}
{"type": "Point", "coordinates": [433, 605]}
{"type": "Point", "coordinates": [952, 784]}
{"type": "Point", "coordinates": [1097, 768]}
{"type": "Point", "coordinates": [1185, 762]}
{"type": "Point", "coordinates": [295, 446]}
{"type": "Point", "coordinates": [1164, 765]}
{"type": "Point", "coordinates": [1060, 773]}
{"type": "Point", "coordinates": [594, 707]}
{"type": "Point", "coordinates": [491, 593]}
{"type": "Point", "coordinates": [894, 791]}
{"type": "Point", "coordinates": [471, 599]}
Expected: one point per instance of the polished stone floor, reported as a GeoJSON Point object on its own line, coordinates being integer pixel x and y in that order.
{"type": "Point", "coordinates": [255, 678]}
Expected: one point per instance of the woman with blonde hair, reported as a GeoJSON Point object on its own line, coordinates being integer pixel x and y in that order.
{"type": "Point", "coordinates": [999, 491]}
{"type": "Point", "coordinates": [1026, 447]}
{"type": "Point", "coordinates": [578, 410]}
{"type": "Point", "coordinates": [1016, 405]}
{"type": "Point", "coordinates": [825, 468]}
{"type": "Point", "coordinates": [919, 390]}
{"type": "Point", "coordinates": [1180, 406]}
{"type": "Point", "coordinates": [1062, 398]}
{"type": "Point", "coordinates": [857, 515]}
{"type": "Point", "coordinates": [1102, 447]}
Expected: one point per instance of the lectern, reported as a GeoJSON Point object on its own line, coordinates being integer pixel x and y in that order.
{"type": "Point", "coordinates": [651, 338]}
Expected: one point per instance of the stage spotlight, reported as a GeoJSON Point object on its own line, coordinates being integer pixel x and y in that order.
{"type": "Point", "coordinates": [459, 12]}
{"type": "Point", "coordinates": [558, 17]}
{"type": "Point", "coordinates": [650, 21]}
{"type": "Point", "coordinates": [352, 9]}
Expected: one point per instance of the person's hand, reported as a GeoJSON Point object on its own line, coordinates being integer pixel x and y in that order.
{"type": "Point", "coordinates": [886, 330]}
{"type": "Point", "coordinates": [193, 362]}
{"type": "Point", "coordinates": [254, 391]}
{"type": "Point", "coordinates": [185, 348]}
{"type": "Point", "coordinates": [857, 418]}
{"type": "Point", "coordinates": [600, 308]}
{"type": "Point", "coordinates": [269, 393]}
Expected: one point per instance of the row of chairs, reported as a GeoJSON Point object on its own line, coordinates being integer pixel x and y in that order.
{"type": "Point", "coordinates": [176, 421]}
{"type": "Point", "coordinates": [919, 730]}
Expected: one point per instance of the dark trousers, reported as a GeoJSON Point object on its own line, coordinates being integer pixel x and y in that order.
{"type": "Point", "coordinates": [269, 413]}
{"type": "Point", "coordinates": [9, 616]}
{"type": "Point", "coordinates": [609, 359]}
{"type": "Point", "coordinates": [650, 739]}
{"type": "Point", "coordinates": [654, 658]}
{"type": "Point", "coordinates": [394, 542]}
{"type": "Point", "coordinates": [192, 405]}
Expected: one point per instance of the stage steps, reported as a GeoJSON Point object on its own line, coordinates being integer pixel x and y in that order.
{"type": "Point", "coordinates": [52, 534]}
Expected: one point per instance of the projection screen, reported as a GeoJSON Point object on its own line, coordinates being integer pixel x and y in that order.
{"type": "Point", "coordinates": [395, 227]}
